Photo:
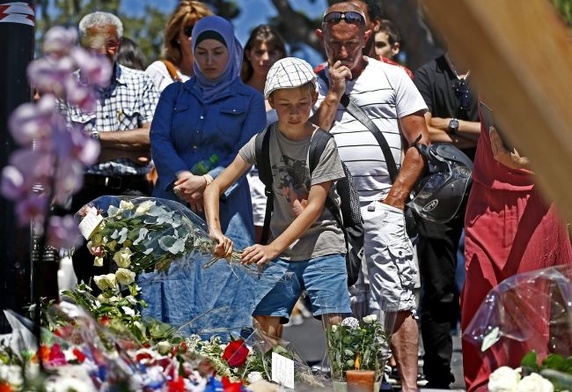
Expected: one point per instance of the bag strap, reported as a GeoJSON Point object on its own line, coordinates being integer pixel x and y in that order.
{"type": "Point", "coordinates": [317, 146]}
{"type": "Point", "coordinates": [262, 151]}
{"type": "Point", "coordinates": [362, 117]}
{"type": "Point", "coordinates": [172, 70]}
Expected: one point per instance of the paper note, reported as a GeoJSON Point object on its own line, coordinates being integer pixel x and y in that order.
{"type": "Point", "coordinates": [283, 370]}
{"type": "Point", "coordinates": [90, 222]}
{"type": "Point", "coordinates": [490, 339]}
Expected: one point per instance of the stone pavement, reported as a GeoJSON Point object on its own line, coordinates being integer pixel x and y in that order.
{"type": "Point", "coordinates": [309, 340]}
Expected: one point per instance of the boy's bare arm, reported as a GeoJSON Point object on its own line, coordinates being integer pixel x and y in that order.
{"type": "Point", "coordinates": [211, 197]}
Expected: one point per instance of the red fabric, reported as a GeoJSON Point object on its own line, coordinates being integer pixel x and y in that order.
{"type": "Point", "coordinates": [509, 229]}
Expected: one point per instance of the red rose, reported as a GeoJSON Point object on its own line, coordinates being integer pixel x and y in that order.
{"type": "Point", "coordinates": [235, 353]}
{"type": "Point", "coordinates": [229, 386]}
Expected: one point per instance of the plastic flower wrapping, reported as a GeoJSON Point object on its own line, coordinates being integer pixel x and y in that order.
{"type": "Point", "coordinates": [81, 353]}
{"type": "Point", "coordinates": [162, 262]}
{"type": "Point", "coordinates": [527, 319]}
{"type": "Point", "coordinates": [144, 234]}
{"type": "Point", "coordinates": [355, 345]}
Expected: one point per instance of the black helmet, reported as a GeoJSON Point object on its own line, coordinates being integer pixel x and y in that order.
{"type": "Point", "coordinates": [440, 193]}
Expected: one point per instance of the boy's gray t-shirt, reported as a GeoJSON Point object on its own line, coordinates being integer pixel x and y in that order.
{"type": "Point", "coordinates": [291, 185]}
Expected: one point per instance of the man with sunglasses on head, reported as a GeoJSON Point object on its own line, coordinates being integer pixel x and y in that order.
{"type": "Point", "coordinates": [452, 118]}
{"type": "Point", "coordinates": [120, 122]}
{"type": "Point", "coordinates": [389, 98]}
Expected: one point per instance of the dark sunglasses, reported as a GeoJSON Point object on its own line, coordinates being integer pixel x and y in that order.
{"type": "Point", "coordinates": [461, 88]}
{"type": "Point", "coordinates": [352, 17]}
{"type": "Point", "coordinates": [188, 30]}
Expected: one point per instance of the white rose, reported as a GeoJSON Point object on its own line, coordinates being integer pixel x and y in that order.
{"type": "Point", "coordinates": [128, 311]}
{"type": "Point", "coordinates": [372, 318]}
{"type": "Point", "coordinates": [125, 276]}
{"type": "Point", "coordinates": [126, 205]}
{"type": "Point", "coordinates": [144, 207]}
{"type": "Point", "coordinates": [504, 379]}
{"type": "Point", "coordinates": [123, 257]}
{"type": "Point", "coordinates": [535, 383]}
{"type": "Point", "coordinates": [105, 282]}
{"type": "Point", "coordinates": [163, 347]}
{"type": "Point", "coordinates": [98, 262]}
{"type": "Point", "coordinates": [254, 377]}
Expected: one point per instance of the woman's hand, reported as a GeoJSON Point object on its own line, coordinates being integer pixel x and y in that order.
{"type": "Point", "coordinates": [511, 159]}
{"type": "Point", "coordinates": [224, 244]}
{"type": "Point", "coordinates": [190, 188]}
{"type": "Point", "coordinates": [258, 254]}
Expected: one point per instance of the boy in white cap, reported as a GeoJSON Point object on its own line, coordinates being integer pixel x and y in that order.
{"type": "Point", "coordinates": [307, 247]}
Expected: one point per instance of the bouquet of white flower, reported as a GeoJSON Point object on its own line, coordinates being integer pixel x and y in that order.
{"type": "Point", "coordinates": [142, 234]}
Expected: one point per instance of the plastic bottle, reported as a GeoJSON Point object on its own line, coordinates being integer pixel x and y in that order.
{"type": "Point", "coordinates": [203, 167]}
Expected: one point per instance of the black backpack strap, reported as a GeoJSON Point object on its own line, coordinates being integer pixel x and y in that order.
{"type": "Point", "coordinates": [317, 146]}
{"type": "Point", "coordinates": [262, 151]}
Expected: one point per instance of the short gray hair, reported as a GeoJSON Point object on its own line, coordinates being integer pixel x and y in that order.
{"type": "Point", "coordinates": [99, 18]}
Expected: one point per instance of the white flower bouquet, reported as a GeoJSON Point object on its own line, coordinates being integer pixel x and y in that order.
{"type": "Point", "coordinates": [142, 234]}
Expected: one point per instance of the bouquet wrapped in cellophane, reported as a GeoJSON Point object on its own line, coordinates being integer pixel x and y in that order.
{"type": "Point", "coordinates": [143, 233]}
{"type": "Point", "coordinates": [525, 325]}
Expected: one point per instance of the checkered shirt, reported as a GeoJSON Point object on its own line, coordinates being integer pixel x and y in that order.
{"type": "Point", "coordinates": [128, 103]}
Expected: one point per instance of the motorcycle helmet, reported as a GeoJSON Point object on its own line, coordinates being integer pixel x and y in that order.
{"type": "Point", "coordinates": [440, 194]}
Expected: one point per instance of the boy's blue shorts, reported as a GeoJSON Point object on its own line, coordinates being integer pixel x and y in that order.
{"type": "Point", "coordinates": [324, 278]}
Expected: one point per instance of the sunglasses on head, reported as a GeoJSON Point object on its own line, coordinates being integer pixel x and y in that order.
{"type": "Point", "coordinates": [461, 88]}
{"type": "Point", "coordinates": [188, 30]}
{"type": "Point", "coordinates": [352, 17]}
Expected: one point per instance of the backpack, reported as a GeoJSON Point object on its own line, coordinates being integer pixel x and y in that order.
{"type": "Point", "coordinates": [348, 215]}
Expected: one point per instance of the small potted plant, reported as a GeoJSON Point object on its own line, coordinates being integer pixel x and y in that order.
{"type": "Point", "coordinates": [356, 351]}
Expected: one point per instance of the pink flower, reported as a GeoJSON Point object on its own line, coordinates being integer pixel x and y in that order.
{"type": "Point", "coordinates": [95, 69]}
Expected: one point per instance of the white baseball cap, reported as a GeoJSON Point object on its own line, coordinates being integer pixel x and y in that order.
{"type": "Point", "coordinates": [289, 72]}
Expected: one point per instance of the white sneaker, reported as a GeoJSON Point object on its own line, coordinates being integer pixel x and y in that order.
{"type": "Point", "coordinates": [294, 320]}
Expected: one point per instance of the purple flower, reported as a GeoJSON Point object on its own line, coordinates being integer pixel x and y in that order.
{"type": "Point", "coordinates": [94, 69]}
{"type": "Point", "coordinates": [76, 144]}
{"type": "Point", "coordinates": [47, 74]}
{"type": "Point", "coordinates": [31, 208]}
{"type": "Point", "coordinates": [68, 180]}
{"type": "Point", "coordinates": [58, 41]}
{"type": "Point", "coordinates": [13, 186]}
{"type": "Point", "coordinates": [63, 232]}
{"type": "Point", "coordinates": [31, 122]}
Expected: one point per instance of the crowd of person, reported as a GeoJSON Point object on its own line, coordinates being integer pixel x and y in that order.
{"type": "Point", "coordinates": [208, 97]}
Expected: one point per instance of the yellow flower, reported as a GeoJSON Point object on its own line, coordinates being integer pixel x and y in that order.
{"type": "Point", "coordinates": [98, 262]}
{"type": "Point", "coordinates": [123, 257]}
{"type": "Point", "coordinates": [125, 276]}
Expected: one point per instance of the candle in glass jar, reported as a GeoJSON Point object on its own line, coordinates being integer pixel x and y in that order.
{"type": "Point", "coordinates": [360, 380]}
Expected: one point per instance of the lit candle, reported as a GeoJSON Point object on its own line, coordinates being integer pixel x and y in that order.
{"type": "Point", "coordinates": [360, 380]}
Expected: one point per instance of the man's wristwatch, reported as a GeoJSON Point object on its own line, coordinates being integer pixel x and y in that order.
{"type": "Point", "coordinates": [453, 126]}
{"type": "Point", "coordinates": [95, 135]}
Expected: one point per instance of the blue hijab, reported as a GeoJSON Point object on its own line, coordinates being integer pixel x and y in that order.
{"type": "Point", "coordinates": [212, 88]}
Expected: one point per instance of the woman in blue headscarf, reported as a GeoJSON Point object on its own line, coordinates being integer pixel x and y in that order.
{"type": "Point", "coordinates": [205, 120]}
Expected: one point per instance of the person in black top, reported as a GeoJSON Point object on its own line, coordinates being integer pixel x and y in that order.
{"type": "Point", "coordinates": [452, 118]}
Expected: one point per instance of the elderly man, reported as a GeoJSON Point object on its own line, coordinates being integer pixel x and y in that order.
{"type": "Point", "coordinates": [120, 122]}
{"type": "Point", "coordinates": [389, 98]}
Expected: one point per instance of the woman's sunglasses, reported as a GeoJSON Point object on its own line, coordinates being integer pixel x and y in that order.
{"type": "Point", "coordinates": [352, 17]}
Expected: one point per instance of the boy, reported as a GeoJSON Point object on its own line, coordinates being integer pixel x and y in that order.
{"type": "Point", "coordinates": [307, 247]}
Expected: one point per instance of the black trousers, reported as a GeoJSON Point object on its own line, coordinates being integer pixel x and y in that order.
{"type": "Point", "coordinates": [94, 187]}
{"type": "Point", "coordinates": [437, 253]}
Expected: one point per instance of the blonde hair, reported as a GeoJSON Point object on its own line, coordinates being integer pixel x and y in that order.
{"type": "Point", "coordinates": [188, 12]}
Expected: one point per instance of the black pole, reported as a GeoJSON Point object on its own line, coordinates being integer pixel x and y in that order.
{"type": "Point", "coordinates": [17, 28]}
